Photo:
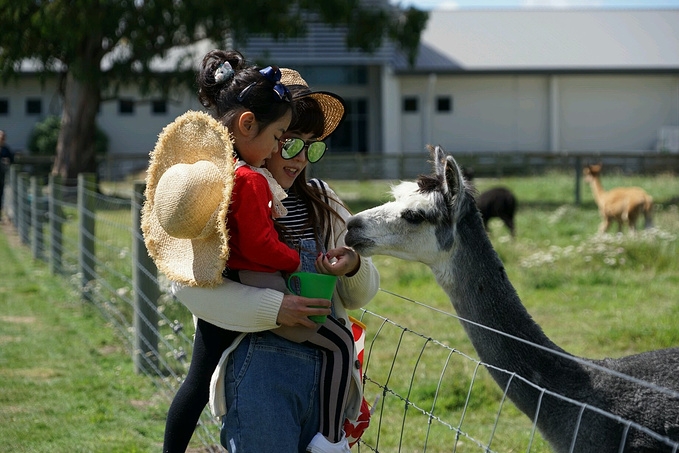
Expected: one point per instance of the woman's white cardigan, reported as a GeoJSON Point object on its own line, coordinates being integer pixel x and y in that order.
{"type": "Point", "coordinates": [242, 308]}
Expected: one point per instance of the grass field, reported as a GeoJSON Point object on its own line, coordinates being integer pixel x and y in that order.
{"type": "Point", "coordinates": [67, 386]}
{"type": "Point", "coordinates": [596, 296]}
{"type": "Point", "coordinates": [66, 383]}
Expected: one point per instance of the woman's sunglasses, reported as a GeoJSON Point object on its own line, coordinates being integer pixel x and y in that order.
{"type": "Point", "coordinates": [293, 146]}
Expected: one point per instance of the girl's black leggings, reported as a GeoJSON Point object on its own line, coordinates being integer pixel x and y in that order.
{"type": "Point", "coordinates": [208, 345]}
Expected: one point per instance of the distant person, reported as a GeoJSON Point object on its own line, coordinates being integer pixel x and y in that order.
{"type": "Point", "coordinates": [6, 159]}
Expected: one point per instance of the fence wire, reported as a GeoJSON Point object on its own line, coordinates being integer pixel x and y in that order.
{"type": "Point", "coordinates": [426, 394]}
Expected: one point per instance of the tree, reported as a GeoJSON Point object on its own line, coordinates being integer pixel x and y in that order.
{"type": "Point", "coordinates": [97, 46]}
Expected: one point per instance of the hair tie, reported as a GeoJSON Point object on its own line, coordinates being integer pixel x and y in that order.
{"type": "Point", "coordinates": [224, 72]}
{"type": "Point", "coordinates": [273, 74]}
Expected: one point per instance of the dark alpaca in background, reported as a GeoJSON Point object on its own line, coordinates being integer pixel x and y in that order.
{"type": "Point", "coordinates": [497, 202]}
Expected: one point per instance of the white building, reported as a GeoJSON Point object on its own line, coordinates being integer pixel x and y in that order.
{"type": "Point", "coordinates": [484, 81]}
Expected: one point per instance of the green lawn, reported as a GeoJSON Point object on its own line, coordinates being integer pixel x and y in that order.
{"type": "Point", "coordinates": [67, 384]}
{"type": "Point", "coordinates": [596, 296]}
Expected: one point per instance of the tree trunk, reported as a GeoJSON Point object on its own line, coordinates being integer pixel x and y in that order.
{"type": "Point", "coordinates": [75, 146]}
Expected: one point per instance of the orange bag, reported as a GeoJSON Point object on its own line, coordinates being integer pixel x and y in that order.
{"type": "Point", "coordinates": [354, 429]}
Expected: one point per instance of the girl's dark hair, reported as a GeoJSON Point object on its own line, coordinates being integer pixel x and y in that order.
{"type": "Point", "coordinates": [308, 118]}
{"type": "Point", "coordinates": [225, 97]}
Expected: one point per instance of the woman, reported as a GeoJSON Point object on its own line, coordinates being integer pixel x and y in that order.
{"type": "Point", "coordinates": [264, 380]}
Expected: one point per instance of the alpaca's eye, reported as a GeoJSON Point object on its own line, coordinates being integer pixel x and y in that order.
{"type": "Point", "coordinates": [414, 217]}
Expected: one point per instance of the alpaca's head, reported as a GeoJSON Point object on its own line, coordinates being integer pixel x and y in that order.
{"type": "Point", "coordinates": [419, 224]}
{"type": "Point", "coordinates": [591, 171]}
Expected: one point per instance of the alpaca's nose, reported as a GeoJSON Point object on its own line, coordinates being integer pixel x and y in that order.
{"type": "Point", "coordinates": [354, 222]}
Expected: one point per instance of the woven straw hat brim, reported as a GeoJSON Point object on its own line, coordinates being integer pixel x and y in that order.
{"type": "Point", "coordinates": [331, 104]}
{"type": "Point", "coordinates": [192, 137]}
{"type": "Point", "coordinates": [333, 110]}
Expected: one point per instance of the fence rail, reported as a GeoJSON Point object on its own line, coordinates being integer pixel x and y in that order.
{"type": "Point", "coordinates": [95, 241]}
{"type": "Point", "coordinates": [362, 166]}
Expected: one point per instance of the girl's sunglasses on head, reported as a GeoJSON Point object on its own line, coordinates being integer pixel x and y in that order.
{"type": "Point", "coordinates": [293, 146]}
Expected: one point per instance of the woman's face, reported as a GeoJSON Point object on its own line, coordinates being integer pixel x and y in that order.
{"type": "Point", "coordinates": [286, 170]}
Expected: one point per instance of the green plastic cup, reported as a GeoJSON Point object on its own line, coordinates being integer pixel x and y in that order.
{"type": "Point", "coordinates": [309, 284]}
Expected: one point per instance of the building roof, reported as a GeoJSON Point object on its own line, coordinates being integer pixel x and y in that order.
{"type": "Point", "coordinates": [322, 44]}
{"type": "Point", "coordinates": [548, 40]}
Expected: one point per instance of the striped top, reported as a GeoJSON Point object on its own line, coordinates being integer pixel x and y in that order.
{"type": "Point", "coordinates": [296, 218]}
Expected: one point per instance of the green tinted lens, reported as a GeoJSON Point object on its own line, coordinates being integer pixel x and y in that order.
{"type": "Point", "coordinates": [292, 147]}
{"type": "Point", "coordinates": [315, 151]}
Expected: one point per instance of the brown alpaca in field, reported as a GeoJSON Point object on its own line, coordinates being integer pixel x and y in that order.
{"type": "Point", "coordinates": [622, 204]}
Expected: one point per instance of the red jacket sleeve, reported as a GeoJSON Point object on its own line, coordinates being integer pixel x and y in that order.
{"type": "Point", "coordinates": [253, 240]}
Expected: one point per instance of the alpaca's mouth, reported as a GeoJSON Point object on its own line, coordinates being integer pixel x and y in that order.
{"type": "Point", "coordinates": [360, 244]}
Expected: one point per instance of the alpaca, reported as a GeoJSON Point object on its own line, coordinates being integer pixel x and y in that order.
{"type": "Point", "coordinates": [435, 221]}
{"type": "Point", "coordinates": [622, 204]}
{"type": "Point", "coordinates": [497, 202]}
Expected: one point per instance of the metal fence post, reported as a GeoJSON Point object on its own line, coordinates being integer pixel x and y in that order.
{"type": "Point", "coordinates": [146, 293]}
{"type": "Point", "coordinates": [56, 222]}
{"type": "Point", "coordinates": [86, 256]}
{"type": "Point", "coordinates": [578, 172]}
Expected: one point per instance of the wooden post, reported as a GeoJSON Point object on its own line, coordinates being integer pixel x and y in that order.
{"type": "Point", "coordinates": [14, 192]}
{"type": "Point", "coordinates": [37, 217]}
{"type": "Point", "coordinates": [56, 222]}
{"type": "Point", "coordinates": [86, 255]}
{"type": "Point", "coordinates": [23, 214]}
{"type": "Point", "coordinates": [146, 293]}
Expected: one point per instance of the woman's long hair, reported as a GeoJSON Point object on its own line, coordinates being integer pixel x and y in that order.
{"type": "Point", "coordinates": [308, 119]}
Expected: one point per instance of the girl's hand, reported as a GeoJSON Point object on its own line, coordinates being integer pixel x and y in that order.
{"type": "Point", "coordinates": [339, 261]}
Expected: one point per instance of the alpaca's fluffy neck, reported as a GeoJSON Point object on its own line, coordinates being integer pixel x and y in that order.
{"type": "Point", "coordinates": [597, 188]}
{"type": "Point", "coordinates": [475, 280]}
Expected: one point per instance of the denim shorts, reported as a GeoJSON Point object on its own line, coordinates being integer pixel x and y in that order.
{"type": "Point", "coordinates": [272, 396]}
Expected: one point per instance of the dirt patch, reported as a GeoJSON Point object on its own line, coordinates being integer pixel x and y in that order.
{"type": "Point", "coordinates": [18, 319]}
{"type": "Point", "coordinates": [10, 232]}
{"type": "Point", "coordinates": [4, 339]}
{"type": "Point", "coordinates": [31, 373]}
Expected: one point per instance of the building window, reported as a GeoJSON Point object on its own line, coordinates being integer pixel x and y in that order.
{"type": "Point", "coordinates": [159, 107]}
{"type": "Point", "coordinates": [126, 107]}
{"type": "Point", "coordinates": [410, 104]}
{"type": "Point", "coordinates": [33, 106]}
{"type": "Point", "coordinates": [444, 104]}
{"type": "Point", "coordinates": [4, 107]}
{"type": "Point", "coordinates": [334, 75]}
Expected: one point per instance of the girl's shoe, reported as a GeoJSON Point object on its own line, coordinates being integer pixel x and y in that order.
{"type": "Point", "coordinates": [320, 444]}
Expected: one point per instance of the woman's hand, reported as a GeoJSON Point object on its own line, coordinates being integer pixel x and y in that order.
{"type": "Point", "coordinates": [339, 261]}
{"type": "Point", "coordinates": [295, 310]}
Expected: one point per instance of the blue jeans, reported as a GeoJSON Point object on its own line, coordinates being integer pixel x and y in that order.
{"type": "Point", "coordinates": [271, 396]}
{"type": "Point", "coordinates": [308, 254]}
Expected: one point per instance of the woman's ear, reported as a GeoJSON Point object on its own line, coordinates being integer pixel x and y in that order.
{"type": "Point", "coordinates": [247, 125]}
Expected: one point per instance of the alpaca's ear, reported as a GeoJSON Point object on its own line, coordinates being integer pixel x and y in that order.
{"type": "Point", "coordinates": [454, 179]}
{"type": "Point", "coordinates": [438, 159]}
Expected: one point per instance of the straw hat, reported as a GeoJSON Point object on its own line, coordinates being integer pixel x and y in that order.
{"type": "Point", "coordinates": [188, 188]}
{"type": "Point", "coordinates": [331, 103]}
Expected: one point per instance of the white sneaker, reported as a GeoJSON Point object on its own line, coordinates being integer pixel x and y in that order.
{"type": "Point", "coordinates": [320, 444]}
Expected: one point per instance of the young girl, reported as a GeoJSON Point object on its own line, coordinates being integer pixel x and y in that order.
{"type": "Point", "coordinates": [228, 90]}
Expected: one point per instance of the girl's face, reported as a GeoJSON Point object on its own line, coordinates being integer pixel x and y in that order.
{"type": "Point", "coordinates": [285, 171]}
{"type": "Point", "coordinates": [255, 145]}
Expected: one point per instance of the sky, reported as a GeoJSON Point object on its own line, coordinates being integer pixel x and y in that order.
{"type": "Point", "coordinates": [513, 4]}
